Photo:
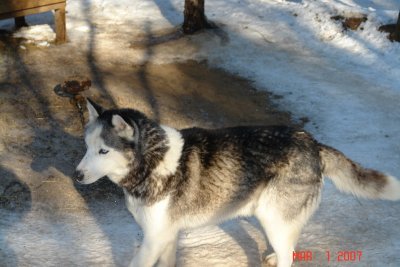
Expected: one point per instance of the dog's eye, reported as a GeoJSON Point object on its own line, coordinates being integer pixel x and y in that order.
{"type": "Point", "coordinates": [103, 151]}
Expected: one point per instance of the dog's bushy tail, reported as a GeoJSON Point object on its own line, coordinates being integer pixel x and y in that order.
{"type": "Point", "coordinates": [350, 177]}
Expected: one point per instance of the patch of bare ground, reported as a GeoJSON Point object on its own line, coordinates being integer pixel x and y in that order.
{"type": "Point", "coordinates": [352, 23]}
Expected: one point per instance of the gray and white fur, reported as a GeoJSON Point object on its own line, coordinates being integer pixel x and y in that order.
{"type": "Point", "coordinates": [177, 179]}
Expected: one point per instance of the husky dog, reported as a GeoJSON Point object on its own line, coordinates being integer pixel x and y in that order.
{"type": "Point", "coordinates": [177, 179]}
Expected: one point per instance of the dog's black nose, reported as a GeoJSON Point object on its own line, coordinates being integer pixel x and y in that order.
{"type": "Point", "coordinates": [78, 175]}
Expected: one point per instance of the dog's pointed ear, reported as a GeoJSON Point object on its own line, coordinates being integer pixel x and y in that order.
{"type": "Point", "coordinates": [123, 129]}
{"type": "Point", "coordinates": [94, 109]}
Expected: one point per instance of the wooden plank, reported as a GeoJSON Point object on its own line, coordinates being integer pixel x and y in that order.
{"type": "Point", "coordinates": [7, 6]}
{"type": "Point", "coordinates": [21, 13]}
{"type": "Point", "coordinates": [61, 31]}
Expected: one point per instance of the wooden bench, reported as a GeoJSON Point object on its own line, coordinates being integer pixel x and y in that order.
{"type": "Point", "coordinates": [18, 9]}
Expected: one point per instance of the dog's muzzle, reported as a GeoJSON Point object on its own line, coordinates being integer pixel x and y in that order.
{"type": "Point", "coordinates": [78, 175]}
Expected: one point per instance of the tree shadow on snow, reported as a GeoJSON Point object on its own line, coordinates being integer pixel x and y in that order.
{"type": "Point", "coordinates": [15, 202]}
{"type": "Point", "coordinates": [51, 145]}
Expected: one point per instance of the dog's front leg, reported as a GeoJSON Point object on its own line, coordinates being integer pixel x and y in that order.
{"type": "Point", "coordinates": [168, 256]}
{"type": "Point", "coordinates": [155, 243]}
{"type": "Point", "coordinates": [158, 229]}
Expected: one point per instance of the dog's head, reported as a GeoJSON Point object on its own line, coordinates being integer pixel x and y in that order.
{"type": "Point", "coordinates": [112, 138]}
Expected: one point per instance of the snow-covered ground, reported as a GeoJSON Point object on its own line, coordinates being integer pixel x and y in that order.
{"type": "Point", "coordinates": [347, 83]}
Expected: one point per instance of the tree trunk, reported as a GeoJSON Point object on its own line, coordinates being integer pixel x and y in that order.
{"type": "Point", "coordinates": [396, 34]}
{"type": "Point", "coordinates": [194, 17]}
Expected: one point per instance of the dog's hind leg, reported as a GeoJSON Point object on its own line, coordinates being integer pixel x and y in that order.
{"type": "Point", "coordinates": [282, 237]}
{"type": "Point", "coordinates": [168, 257]}
{"type": "Point", "coordinates": [283, 231]}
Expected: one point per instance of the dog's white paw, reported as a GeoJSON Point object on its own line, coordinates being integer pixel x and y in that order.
{"type": "Point", "coordinates": [270, 260]}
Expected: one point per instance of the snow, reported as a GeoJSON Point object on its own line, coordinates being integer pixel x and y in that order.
{"type": "Point", "coordinates": [346, 82]}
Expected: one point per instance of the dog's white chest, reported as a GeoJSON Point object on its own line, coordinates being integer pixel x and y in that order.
{"type": "Point", "coordinates": [135, 206]}
{"type": "Point", "coordinates": [147, 214]}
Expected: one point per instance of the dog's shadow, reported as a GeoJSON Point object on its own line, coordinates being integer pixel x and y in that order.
{"type": "Point", "coordinates": [239, 229]}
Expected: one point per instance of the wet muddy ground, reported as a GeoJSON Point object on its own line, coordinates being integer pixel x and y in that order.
{"type": "Point", "coordinates": [41, 132]}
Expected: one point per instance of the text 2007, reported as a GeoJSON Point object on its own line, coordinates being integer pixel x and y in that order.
{"type": "Point", "coordinates": [345, 255]}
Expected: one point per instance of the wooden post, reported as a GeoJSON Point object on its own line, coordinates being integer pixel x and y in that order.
{"type": "Point", "coordinates": [396, 33]}
{"type": "Point", "coordinates": [61, 31]}
{"type": "Point", "coordinates": [194, 17]}
{"type": "Point", "coordinates": [20, 22]}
